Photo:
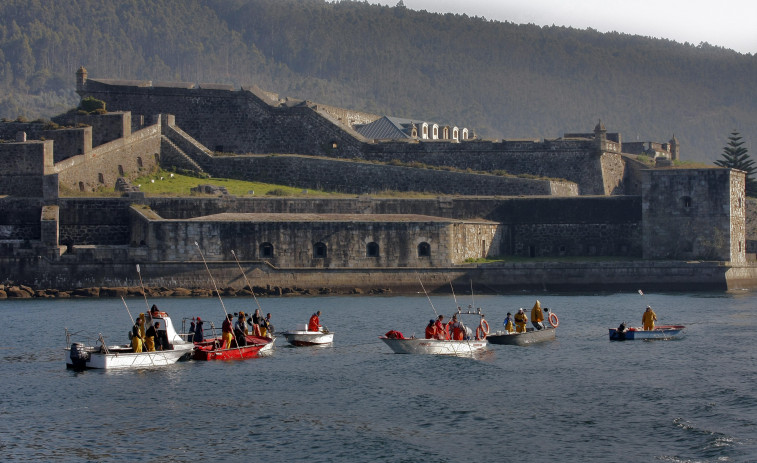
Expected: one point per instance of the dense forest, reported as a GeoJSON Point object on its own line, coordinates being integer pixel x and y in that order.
{"type": "Point", "coordinates": [501, 79]}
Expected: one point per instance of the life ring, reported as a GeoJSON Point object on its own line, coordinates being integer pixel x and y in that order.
{"type": "Point", "coordinates": [480, 333]}
{"type": "Point", "coordinates": [485, 325]}
{"type": "Point", "coordinates": [553, 320]}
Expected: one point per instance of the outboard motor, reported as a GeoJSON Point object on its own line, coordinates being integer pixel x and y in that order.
{"type": "Point", "coordinates": [79, 356]}
{"type": "Point", "coordinates": [620, 333]}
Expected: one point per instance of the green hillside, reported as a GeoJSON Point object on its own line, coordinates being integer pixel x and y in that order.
{"type": "Point", "coordinates": [501, 79]}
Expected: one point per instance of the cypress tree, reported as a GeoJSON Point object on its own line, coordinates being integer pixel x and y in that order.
{"type": "Point", "coordinates": [735, 156]}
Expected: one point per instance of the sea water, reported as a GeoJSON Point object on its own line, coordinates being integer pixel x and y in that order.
{"type": "Point", "coordinates": [578, 398]}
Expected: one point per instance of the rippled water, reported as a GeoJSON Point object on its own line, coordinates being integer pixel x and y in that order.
{"type": "Point", "coordinates": [579, 398]}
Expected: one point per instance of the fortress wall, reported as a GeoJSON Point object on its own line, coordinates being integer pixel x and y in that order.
{"type": "Point", "coordinates": [100, 167]}
{"type": "Point", "coordinates": [613, 173]}
{"type": "Point", "coordinates": [241, 122]}
{"type": "Point", "coordinates": [687, 214]}
{"type": "Point", "coordinates": [293, 242]}
{"type": "Point", "coordinates": [24, 166]}
{"type": "Point", "coordinates": [361, 178]}
{"type": "Point", "coordinates": [105, 127]}
{"type": "Point", "coordinates": [33, 130]}
{"type": "Point", "coordinates": [578, 210]}
{"type": "Point", "coordinates": [69, 142]}
{"type": "Point", "coordinates": [231, 121]}
{"type": "Point", "coordinates": [347, 116]}
{"type": "Point", "coordinates": [579, 166]}
{"type": "Point", "coordinates": [20, 218]}
{"type": "Point", "coordinates": [94, 221]}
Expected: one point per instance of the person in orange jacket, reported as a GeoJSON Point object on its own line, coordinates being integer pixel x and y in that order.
{"type": "Point", "coordinates": [431, 329]}
{"type": "Point", "coordinates": [315, 323]}
{"type": "Point", "coordinates": [458, 330]}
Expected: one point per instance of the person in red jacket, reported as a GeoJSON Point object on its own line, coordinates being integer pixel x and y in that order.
{"type": "Point", "coordinates": [441, 329]}
{"type": "Point", "coordinates": [458, 331]}
{"type": "Point", "coordinates": [431, 329]}
{"type": "Point", "coordinates": [314, 324]}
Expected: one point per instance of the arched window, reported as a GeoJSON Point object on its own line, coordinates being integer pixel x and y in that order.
{"type": "Point", "coordinates": [445, 133]}
{"type": "Point", "coordinates": [139, 161]}
{"type": "Point", "coordinates": [424, 131]}
{"type": "Point", "coordinates": [436, 132]}
{"type": "Point", "coordinates": [372, 250]}
{"type": "Point", "coordinates": [424, 249]}
{"type": "Point", "coordinates": [265, 250]}
{"type": "Point", "coordinates": [465, 134]}
{"type": "Point", "coordinates": [319, 251]}
{"type": "Point", "coordinates": [455, 134]}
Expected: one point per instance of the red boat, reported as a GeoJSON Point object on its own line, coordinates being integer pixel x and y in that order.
{"type": "Point", "coordinates": [210, 349]}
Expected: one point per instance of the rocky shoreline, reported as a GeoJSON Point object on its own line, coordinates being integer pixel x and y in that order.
{"type": "Point", "coordinates": [18, 291]}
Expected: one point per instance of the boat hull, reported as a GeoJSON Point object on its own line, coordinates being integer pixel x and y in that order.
{"type": "Point", "coordinates": [523, 339]}
{"type": "Point", "coordinates": [308, 338]}
{"type": "Point", "coordinates": [659, 332]}
{"type": "Point", "coordinates": [121, 357]}
{"type": "Point", "coordinates": [433, 346]}
{"type": "Point", "coordinates": [210, 350]}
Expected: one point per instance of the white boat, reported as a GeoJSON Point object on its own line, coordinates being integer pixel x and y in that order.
{"type": "Point", "coordinates": [434, 346]}
{"type": "Point", "coordinates": [80, 355]}
{"type": "Point", "coordinates": [300, 336]}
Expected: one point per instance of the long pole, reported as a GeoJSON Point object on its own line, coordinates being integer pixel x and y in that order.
{"type": "Point", "coordinates": [144, 294]}
{"type": "Point", "coordinates": [429, 299]}
{"type": "Point", "coordinates": [150, 356]}
{"type": "Point", "coordinates": [246, 280]}
{"type": "Point", "coordinates": [226, 314]}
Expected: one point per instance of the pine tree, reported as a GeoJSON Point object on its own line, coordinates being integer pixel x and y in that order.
{"type": "Point", "coordinates": [735, 156]}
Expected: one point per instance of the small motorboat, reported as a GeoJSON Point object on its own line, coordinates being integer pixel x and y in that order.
{"type": "Point", "coordinates": [664, 332]}
{"type": "Point", "coordinates": [300, 336]}
{"type": "Point", "coordinates": [80, 355]}
{"type": "Point", "coordinates": [531, 336]}
{"type": "Point", "coordinates": [433, 346]}
{"type": "Point", "coordinates": [401, 345]}
{"type": "Point", "coordinates": [210, 349]}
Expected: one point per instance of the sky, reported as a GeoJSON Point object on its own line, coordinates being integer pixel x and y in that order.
{"type": "Point", "coordinates": [725, 23]}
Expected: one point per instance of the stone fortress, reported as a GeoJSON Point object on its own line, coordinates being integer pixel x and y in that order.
{"type": "Point", "coordinates": [584, 200]}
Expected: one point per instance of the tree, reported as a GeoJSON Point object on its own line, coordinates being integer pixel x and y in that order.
{"type": "Point", "coordinates": [735, 156]}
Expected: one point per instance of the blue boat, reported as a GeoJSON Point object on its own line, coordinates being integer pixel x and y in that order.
{"type": "Point", "coordinates": [622, 333]}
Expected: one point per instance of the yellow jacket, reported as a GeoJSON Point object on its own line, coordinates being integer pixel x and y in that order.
{"type": "Point", "coordinates": [536, 313]}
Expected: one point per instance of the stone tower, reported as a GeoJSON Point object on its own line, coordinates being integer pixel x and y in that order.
{"type": "Point", "coordinates": [600, 136]}
{"type": "Point", "coordinates": [674, 148]}
{"type": "Point", "coordinates": [81, 79]}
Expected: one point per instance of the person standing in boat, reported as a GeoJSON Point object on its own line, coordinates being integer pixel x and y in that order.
{"type": "Point", "coordinates": [136, 335]}
{"type": "Point", "coordinates": [198, 335]}
{"type": "Point", "coordinates": [520, 321]}
{"type": "Point", "coordinates": [431, 329]}
{"type": "Point", "coordinates": [150, 336]}
{"type": "Point", "coordinates": [191, 335]}
{"type": "Point", "coordinates": [267, 329]}
{"type": "Point", "coordinates": [648, 319]}
{"type": "Point", "coordinates": [315, 322]}
{"type": "Point", "coordinates": [458, 330]}
{"type": "Point", "coordinates": [509, 323]}
{"type": "Point", "coordinates": [240, 330]}
{"type": "Point", "coordinates": [537, 316]}
{"type": "Point", "coordinates": [257, 323]}
{"type": "Point", "coordinates": [227, 334]}
{"type": "Point", "coordinates": [441, 329]}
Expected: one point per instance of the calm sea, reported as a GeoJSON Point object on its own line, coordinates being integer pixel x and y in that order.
{"type": "Point", "coordinates": [579, 398]}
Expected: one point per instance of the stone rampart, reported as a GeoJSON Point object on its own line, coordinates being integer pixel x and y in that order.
{"type": "Point", "coordinates": [20, 218]}
{"type": "Point", "coordinates": [360, 178]}
{"type": "Point", "coordinates": [94, 221]}
{"type": "Point", "coordinates": [68, 143]}
{"type": "Point", "coordinates": [24, 166]}
{"type": "Point", "coordinates": [124, 157]}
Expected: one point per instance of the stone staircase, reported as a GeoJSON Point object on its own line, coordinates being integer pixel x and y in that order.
{"type": "Point", "coordinates": [173, 156]}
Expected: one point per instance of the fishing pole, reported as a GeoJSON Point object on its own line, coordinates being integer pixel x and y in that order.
{"type": "Point", "coordinates": [218, 293]}
{"type": "Point", "coordinates": [248, 285]}
{"type": "Point", "coordinates": [144, 293]}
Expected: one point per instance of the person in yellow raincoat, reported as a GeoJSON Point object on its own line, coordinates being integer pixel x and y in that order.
{"type": "Point", "coordinates": [509, 323]}
{"type": "Point", "coordinates": [648, 319]}
{"type": "Point", "coordinates": [150, 335]}
{"type": "Point", "coordinates": [520, 321]}
{"type": "Point", "coordinates": [137, 336]}
{"type": "Point", "coordinates": [537, 316]}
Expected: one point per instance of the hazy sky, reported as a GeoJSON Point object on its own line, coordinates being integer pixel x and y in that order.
{"type": "Point", "coordinates": [726, 23]}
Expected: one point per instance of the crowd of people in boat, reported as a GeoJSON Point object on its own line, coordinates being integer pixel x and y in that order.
{"type": "Point", "coordinates": [233, 332]}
